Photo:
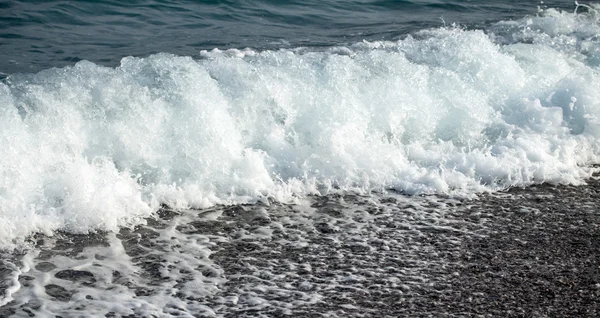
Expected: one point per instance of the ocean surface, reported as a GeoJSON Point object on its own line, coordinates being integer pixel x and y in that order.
{"type": "Point", "coordinates": [36, 35]}
{"type": "Point", "coordinates": [122, 121]}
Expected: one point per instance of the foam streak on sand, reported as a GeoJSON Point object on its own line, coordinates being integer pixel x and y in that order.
{"type": "Point", "coordinates": [442, 111]}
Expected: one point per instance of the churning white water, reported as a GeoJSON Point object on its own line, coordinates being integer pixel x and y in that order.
{"type": "Point", "coordinates": [446, 110]}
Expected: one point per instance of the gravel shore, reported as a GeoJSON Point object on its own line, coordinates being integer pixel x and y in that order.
{"type": "Point", "coordinates": [532, 252]}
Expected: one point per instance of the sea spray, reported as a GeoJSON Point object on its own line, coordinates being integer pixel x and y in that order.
{"type": "Point", "coordinates": [445, 110]}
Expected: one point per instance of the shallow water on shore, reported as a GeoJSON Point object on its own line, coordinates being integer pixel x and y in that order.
{"type": "Point", "coordinates": [532, 252]}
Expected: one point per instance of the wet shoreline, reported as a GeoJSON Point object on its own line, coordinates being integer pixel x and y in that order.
{"type": "Point", "coordinates": [526, 252]}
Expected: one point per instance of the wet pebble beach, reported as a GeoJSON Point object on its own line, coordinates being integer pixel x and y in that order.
{"type": "Point", "coordinates": [526, 252]}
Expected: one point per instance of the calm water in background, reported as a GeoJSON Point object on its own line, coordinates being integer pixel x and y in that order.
{"type": "Point", "coordinates": [36, 35]}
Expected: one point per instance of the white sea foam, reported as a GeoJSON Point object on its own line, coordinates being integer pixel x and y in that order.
{"type": "Point", "coordinates": [443, 111]}
{"type": "Point", "coordinates": [9, 281]}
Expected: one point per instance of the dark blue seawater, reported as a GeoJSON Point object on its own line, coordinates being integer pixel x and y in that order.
{"type": "Point", "coordinates": [36, 35]}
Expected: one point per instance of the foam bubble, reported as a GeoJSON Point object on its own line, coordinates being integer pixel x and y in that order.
{"type": "Point", "coordinates": [443, 111]}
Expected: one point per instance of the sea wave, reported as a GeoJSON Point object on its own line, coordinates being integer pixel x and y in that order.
{"type": "Point", "coordinates": [445, 111]}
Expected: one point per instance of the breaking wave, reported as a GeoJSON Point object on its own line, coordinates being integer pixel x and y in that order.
{"type": "Point", "coordinates": [446, 111]}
